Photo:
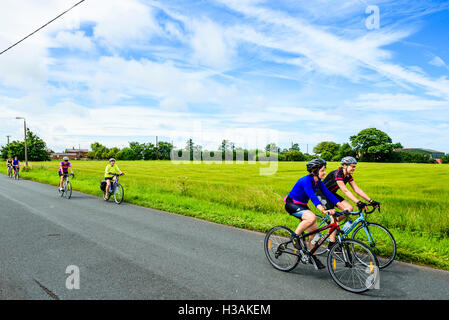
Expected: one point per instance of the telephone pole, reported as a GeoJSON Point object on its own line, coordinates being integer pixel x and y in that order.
{"type": "Point", "coordinates": [25, 136]}
{"type": "Point", "coordinates": [157, 149]}
{"type": "Point", "coordinates": [8, 139]}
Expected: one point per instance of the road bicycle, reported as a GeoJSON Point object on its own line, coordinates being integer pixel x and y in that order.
{"type": "Point", "coordinates": [66, 190]}
{"type": "Point", "coordinates": [10, 171]}
{"type": "Point", "coordinates": [378, 237]}
{"type": "Point", "coordinates": [351, 264]}
{"type": "Point", "coordinates": [115, 190]}
{"type": "Point", "coordinates": [16, 172]}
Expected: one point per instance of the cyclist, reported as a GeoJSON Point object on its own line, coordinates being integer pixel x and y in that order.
{"type": "Point", "coordinates": [63, 170]}
{"type": "Point", "coordinates": [8, 163]}
{"type": "Point", "coordinates": [337, 180]}
{"type": "Point", "coordinates": [111, 169]}
{"type": "Point", "coordinates": [304, 189]}
{"type": "Point", "coordinates": [16, 164]}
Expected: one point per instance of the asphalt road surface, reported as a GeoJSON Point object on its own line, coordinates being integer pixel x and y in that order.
{"type": "Point", "coordinates": [128, 252]}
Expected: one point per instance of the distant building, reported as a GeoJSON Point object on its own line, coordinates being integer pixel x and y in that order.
{"type": "Point", "coordinates": [433, 153]}
{"type": "Point", "coordinates": [59, 156]}
{"type": "Point", "coordinates": [80, 153]}
{"type": "Point", "coordinates": [72, 154]}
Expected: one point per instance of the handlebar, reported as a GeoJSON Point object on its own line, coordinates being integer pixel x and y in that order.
{"type": "Point", "coordinates": [115, 174]}
{"type": "Point", "coordinates": [347, 213]}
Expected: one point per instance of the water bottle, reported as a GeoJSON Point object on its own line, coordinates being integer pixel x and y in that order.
{"type": "Point", "coordinates": [346, 226]}
{"type": "Point", "coordinates": [316, 238]}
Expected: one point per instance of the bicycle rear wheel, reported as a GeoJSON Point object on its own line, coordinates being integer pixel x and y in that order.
{"type": "Point", "coordinates": [353, 266]}
{"type": "Point", "coordinates": [118, 194]}
{"type": "Point", "coordinates": [279, 249]}
{"type": "Point", "coordinates": [382, 242]}
{"type": "Point", "coordinates": [68, 190]}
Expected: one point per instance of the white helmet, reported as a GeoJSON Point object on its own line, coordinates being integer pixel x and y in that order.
{"type": "Point", "coordinates": [65, 158]}
{"type": "Point", "coordinates": [348, 160]}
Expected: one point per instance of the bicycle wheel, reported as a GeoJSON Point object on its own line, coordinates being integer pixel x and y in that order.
{"type": "Point", "coordinates": [380, 241]}
{"type": "Point", "coordinates": [353, 266]}
{"type": "Point", "coordinates": [118, 194]}
{"type": "Point", "coordinates": [322, 222]}
{"type": "Point", "coordinates": [279, 249]}
{"type": "Point", "coordinates": [68, 190]}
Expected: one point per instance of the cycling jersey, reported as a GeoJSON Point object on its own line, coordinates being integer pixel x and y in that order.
{"type": "Point", "coordinates": [111, 169]}
{"type": "Point", "coordinates": [15, 163]}
{"type": "Point", "coordinates": [9, 162]}
{"type": "Point", "coordinates": [305, 188]}
{"type": "Point", "coordinates": [65, 166]}
{"type": "Point", "coordinates": [337, 175]}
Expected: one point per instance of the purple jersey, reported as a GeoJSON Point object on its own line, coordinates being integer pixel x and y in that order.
{"type": "Point", "coordinates": [65, 166]}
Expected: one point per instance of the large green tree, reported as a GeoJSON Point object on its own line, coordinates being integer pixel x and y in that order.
{"type": "Point", "coordinates": [373, 145]}
{"type": "Point", "coordinates": [36, 148]}
{"type": "Point", "coordinates": [326, 147]}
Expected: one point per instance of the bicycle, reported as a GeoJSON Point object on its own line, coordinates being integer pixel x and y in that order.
{"type": "Point", "coordinates": [10, 171]}
{"type": "Point", "coordinates": [66, 186]}
{"type": "Point", "coordinates": [116, 190]}
{"type": "Point", "coordinates": [351, 264]}
{"type": "Point", "coordinates": [378, 237]}
{"type": "Point", "coordinates": [16, 173]}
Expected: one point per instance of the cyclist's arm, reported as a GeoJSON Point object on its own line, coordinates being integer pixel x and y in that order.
{"type": "Point", "coordinates": [330, 195]}
{"type": "Point", "coordinates": [311, 194]}
{"type": "Point", "coordinates": [359, 191]}
{"type": "Point", "coordinates": [346, 191]}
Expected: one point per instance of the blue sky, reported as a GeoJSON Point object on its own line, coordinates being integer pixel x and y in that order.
{"type": "Point", "coordinates": [250, 71]}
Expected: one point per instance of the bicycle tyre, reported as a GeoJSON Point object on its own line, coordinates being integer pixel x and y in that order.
{"type": "Point", "coordinates": [68, 190]}
{"type": "Point", "coordinates": [119, 193]}
{"type": "Point", "coordinates": [365, 273]}
{"type": "Point", "coordinates": [385, 259]}
{"type": "Point", "coordinates": [284, 248]}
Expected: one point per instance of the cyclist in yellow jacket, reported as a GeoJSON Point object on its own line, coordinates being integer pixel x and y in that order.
{"type": "Point", "coordinates": [109, 172]}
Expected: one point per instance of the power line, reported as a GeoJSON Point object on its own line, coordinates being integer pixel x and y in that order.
{"type": "Point", "coordinates": [41, 27]}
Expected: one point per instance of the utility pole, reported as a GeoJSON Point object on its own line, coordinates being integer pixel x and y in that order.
{"type": "Point", "coordinates": [8, 139]}
{"type": "Point", "coordinates": [25, 136]}
{"type": "Point", "coordinates": [157, 149]}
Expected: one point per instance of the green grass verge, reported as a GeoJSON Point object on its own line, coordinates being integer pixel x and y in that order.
{"type": "Point", "coordinates": [413, 196]}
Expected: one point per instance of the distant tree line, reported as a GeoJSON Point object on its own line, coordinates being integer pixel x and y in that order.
{"type": "Point", "coordinates": [369, 145]}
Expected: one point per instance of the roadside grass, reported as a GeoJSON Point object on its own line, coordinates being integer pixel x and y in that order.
{"type": "Point", "coordinates": [414, 197]}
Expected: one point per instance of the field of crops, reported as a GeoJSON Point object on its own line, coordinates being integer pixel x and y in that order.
{"type": "Point", "coordinates": [414, 196]}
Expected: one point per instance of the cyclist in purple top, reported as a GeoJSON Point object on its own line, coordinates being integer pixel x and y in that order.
{"type": "Point", "coordinates": [64, 169]}
{"type": "Point", "coordinates": [296, 201]}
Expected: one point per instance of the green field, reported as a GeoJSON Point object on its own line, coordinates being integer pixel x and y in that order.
{"type": "Point", "coordinates": [414, 196]}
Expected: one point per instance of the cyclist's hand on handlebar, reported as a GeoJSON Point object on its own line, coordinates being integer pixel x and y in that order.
{"type": "Point", "coordinates": [361, 205]}
{"type": "Point", "coordinates": [375, 204]}
{"type": "Point", "coordinates": [330, 212]}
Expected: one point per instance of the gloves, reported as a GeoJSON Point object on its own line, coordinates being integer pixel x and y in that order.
{"type": "Point", "coordinates": [361, 205]}
{"type": "Point", "coordinates": [375, 203]}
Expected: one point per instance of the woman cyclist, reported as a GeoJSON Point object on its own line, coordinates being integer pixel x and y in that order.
{"type": "Point", "coordinates": [304, 189]}
{"type": "Point", "coordinates": [109, 172]}
{"type": "Point", "coordinates": [64, 170]}
{"type": "Point", "coordinates": [9, 164]}
{"type": "Point", "coordinates": [16, 164]}
{"type": "Point", "coordinates": [337, 180]}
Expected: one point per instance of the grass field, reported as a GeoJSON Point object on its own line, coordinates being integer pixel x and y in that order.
{"type": "Point", "coordinates": [414, 197]}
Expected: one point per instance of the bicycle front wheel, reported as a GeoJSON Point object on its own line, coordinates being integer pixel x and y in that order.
{"type": "Point", "coordinates": [68, 190]}
{"type": "Point", "coordinates": [380, 241]}
{"type": "Point", "coordinates": [118, 194]}
{"type": "Point", "coordinates": [353, 266]}
{"type": "Point", "coordinates": [279, 248]}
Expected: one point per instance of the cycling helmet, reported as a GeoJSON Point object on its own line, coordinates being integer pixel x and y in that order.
{"type": "Point", "coordinates": [112, 159]}
{"type": "Point", "coordinates": [315, 164]}
{"type": "Point", "coordinates": [348, 160]}
{"type": "Point", "coordinates": [65, 158]}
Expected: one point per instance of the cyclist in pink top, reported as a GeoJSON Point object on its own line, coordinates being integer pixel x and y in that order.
{"type": "Point", "coordinates": [64, 170]}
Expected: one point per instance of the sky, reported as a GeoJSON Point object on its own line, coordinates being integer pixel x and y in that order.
{"type": "Point", "coordinates": [250, 71]}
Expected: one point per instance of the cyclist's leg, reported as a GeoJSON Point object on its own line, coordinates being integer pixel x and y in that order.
{"type": "Point", "coordinates": [108, 187]}
{"type": "Point", "coordinates": [61, 179]}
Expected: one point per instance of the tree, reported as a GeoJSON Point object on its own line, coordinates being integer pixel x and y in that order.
{"type": "Point", "coordinates": [137, 148]}
{"type": "Point", "coordinates": [345, 150]}
{"type": "Point", "coordinates": [294, 147]}
{"type": "Point", "coordinates": [326, 146]}
{"type": "Point", "coordinates": [36, 148]}
{"type": "Point", "coordinates": [126, 154]}
{"type": "Point", "coordinates": [272, 147]}
{"type": "Point", "coordinates": [164, 150]}
{"type": "Point", "coordinates": [373, 145]}
{"type": "Point", "coordinates": [294, 155]}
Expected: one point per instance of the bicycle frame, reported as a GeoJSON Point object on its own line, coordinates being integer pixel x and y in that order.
{"type": "Point", "coordinates": [333, 227]}
{"type": "Point", "coordinates": [361, 219]}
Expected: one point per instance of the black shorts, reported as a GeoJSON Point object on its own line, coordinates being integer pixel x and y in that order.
{"type": "Point", "coordinates": [60, 173]}
{"type": "Point", "coordinates": [108, 178]}
{"type": "Point", "coordinates": [327, 204]}
{"type": "Point", "coordinates": [295, 209]}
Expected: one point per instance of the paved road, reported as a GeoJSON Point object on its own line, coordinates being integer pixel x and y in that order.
{"type": "Point", "coordinates": [128, 252]}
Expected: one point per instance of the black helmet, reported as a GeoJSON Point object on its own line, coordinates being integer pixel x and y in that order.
{"type": "Point", "coordinates": [314, 164]}
{"type": "Point", "coordinates": [348, 160]}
